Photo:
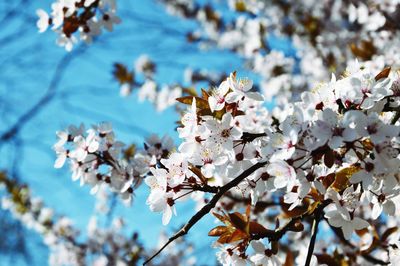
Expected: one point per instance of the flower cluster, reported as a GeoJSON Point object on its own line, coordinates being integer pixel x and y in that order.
{"type": "Point", "coordinates": [335, 153]}
{"type": "Point", "coordinates": [97, 159]}
{"type": "Point", "coordinates": [103, 246]}
{"type": "Point", "coordinates": [86, 18]}
{"type": "Point", "coordinates": [325, 35]}
{"type": "Point", "coordinates": [328, 155]}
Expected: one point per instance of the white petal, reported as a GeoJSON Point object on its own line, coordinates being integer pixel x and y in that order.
{"type": "Point", "coordinates": [167, 215]}
{"type": "Point", "coordinates": [347, 230]}
{"type": "Point", "coordinates": [389, 207]}
{"type": "Point", "coordinates": [359, 223]}
{"type": "Point", "coordinates": [60, 161]}
{"type": "Point", "coordinates": [376, 210]}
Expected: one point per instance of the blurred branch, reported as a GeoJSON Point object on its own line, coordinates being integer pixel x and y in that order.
{"type": "Point", "coordinates": [46, 98]}
{"type": "Point", "coordinates": [338, 232]}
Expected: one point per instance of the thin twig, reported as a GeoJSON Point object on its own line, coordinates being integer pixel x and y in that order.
{"type": "Point", "coordinates": [208, 207]}
{"type": "Point", "coordinates": [278, 234]}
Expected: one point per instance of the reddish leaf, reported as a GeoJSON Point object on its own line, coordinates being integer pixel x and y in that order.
{"type": "Point", "coordinates": [329, 158]}
{"type": "Point", "coordinates": [218, 231]}
{"type": "Point", "coordinates": [224, 239]}
{"type": "Point", "coordinates": [328, 180]}
{"type": "Point", "coordinates": [220, 217]}
{"type": "Point", "coordinates": [237, 235]}
{"type": "Point", "coordinates": [238, 221]}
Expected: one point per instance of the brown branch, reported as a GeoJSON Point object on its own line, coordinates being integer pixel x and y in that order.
{"type": "Point", "coordinates": [206, 188]}
{"type": "Point", "coordinates": [278, 234]}
{"type": "Point", "coordinates": [368, 257]}
{"type": "Point", "coordinates": [208, 207]}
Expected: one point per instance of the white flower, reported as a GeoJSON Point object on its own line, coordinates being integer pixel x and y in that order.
{"type": "Point", "coordinates": [240, 89]}
{"type": "Point", "coordinates": [189, 121]}
{"type": "Point", "coordinates": [84, 146]}
{"type": "Point", "coordinates": [61, 156]}
{"type": "Point", "coordinates": [223, 133]}
{"type": "Point", "coordinates": [177, 166]}
{"type": "Point", "coordinates": [217, 98]}
{"type": "Point", "coordinates": [382, 201]}
{"type": "Point", "coordinates": [260, 258]}
{"type": "Point", "coordinates": [208, 157]}
{"type": "Point", "coordinates": [284, 174]}
{"type": "Point", "coordinates": [345, 222]}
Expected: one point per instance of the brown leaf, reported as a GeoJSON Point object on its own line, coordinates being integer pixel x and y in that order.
{"type": "Point", "coordinates": [328, 180]}
{"type": "Point", "coordinates": [329, 158]}
{"type": "Point", "coordinates": [221, 217]}
{"type": "Point", "coordinates": [289, 261]}
{"type": "Point", "coordinates": [204, 112]}
{"type": "Point", "coordinates": [342, 177]}
{"type": "Point", "coordinates": [218, 231]}
{"type": "Point", "coordinates": [130, 151]}
{"type": "Point", "coordinates": [237, 235]}
{"type": "Point", "coordinates": [121, 74]}
{"type": "Point", "coordinates": [239, 221]}
{"type": "Point", "coordinates": [225, 238]}
{"type": "Point", "coordinates": [200, 102]}
{"type": "Point", "coordinates": [204, 94]}
{"type": "Point", "coordinates": [256, 229]}
{"type": "Point", "coordinates": [365, 50]}
{"type": "Point", "coordinates": [299, 210]}
{"type": "Point", "coordinates": [383, 74]}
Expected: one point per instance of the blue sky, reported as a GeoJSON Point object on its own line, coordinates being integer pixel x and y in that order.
{"type": "Point", "coordinates": [87, 93]}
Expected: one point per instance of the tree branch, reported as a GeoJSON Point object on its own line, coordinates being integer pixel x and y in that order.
{"type": "Point", "coordinates": [314, 232]}
{"type": "Point", "coordinates": [208, 207]}
{"type": "Point", "coordinates": [47, 97]}
{"type": "Point", "coordinates": [278, 234]}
